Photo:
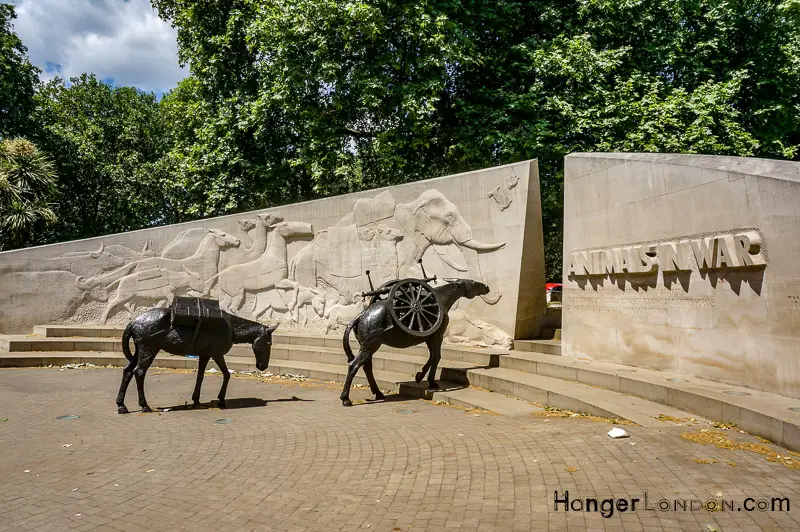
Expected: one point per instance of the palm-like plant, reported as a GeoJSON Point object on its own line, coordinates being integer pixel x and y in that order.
{"type": "Point", "coordinates": [27, 182]}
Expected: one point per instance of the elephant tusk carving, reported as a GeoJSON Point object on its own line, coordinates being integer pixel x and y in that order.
{"type": "Point", "coordinates": [480, 246]}
{"type": "Point", "coordinates": [492, 299]}
{"type": "Point", "coordinates": [441, 251]}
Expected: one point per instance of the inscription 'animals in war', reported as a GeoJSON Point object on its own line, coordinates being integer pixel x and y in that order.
{"type": "Point", "coordinates": [731, 250]}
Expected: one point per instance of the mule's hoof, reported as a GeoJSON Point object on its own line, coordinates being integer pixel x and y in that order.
{"type": "Point", "coordinates": [347, 402]}
{"type": "Point", "coordinates": [196, 404]}
{"type": "Point", "coordinates": [122, 409]}
{"type": "Point", "coordinates": [433, 385]}
{"type": "Point", "coordinates": [222, 404]}
{"type": "Point", "coordinates": [418, 377]}
{"type": "Point", "coordinates": [146, 408]}
{"type": "Point", "coordinates": [379, 396]}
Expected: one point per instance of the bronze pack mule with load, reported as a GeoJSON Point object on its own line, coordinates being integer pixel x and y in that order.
{"type": "Point", "coordinates": [190, 325]}
{"type": "Point", "coordinates": [404, 313]}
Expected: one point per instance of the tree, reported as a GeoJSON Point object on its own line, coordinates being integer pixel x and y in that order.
{"type": "Point", "coordinates": [299, 97]}
{"type": "Point", "coordinates": [108, 145]}
{"type": "Point", "coordinates": [17, 79]}
{"type": "Point", "coordinates": [27, 186]}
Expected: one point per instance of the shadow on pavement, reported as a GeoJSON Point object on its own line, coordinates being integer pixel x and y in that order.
{"type": "Point", "coordinates": [232, 404]}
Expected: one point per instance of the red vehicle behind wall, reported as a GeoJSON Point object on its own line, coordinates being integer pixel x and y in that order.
{"type": "Point", "coordinates": [553, 292]}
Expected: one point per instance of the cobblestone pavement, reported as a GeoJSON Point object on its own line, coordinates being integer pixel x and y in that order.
{"type": "Point", "coordinates": [310, 464]}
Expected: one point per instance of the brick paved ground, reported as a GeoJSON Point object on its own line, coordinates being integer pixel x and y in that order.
{"type": "Point", "coordinates": [314, 465]}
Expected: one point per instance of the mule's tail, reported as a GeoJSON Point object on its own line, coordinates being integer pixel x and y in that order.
{"type": "Point", "coordinates": [346, 338]}
{"type": "Point", "coordinates": [126, 336]}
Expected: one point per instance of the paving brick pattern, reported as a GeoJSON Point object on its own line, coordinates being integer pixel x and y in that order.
{"type": "Point", "coordinates": [311, 464]}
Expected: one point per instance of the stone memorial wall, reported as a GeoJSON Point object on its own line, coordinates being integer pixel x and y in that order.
{"type": "Point", "coordinates": [303, 265]}
{"type": "Point", "coordinates": [685, 263]}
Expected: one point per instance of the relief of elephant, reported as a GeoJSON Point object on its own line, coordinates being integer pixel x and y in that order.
{"type": "Point", "coordinates": [429, 220]}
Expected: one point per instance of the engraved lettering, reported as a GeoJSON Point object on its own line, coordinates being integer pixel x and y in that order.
{"type": "Point", "coordinates": [704, 252]}
{"type": "Point", "coordinates": [748, 249]}
{"type": "Point", "coordinates": [648, 259]}
{"type": "Point", "coordinates": [671, 257]}
{"type": "Point", "coordinates": [723, 257]}
{"type": "Point", "coordinates": [728, 250]}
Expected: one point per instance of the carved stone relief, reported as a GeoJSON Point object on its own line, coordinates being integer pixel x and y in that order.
{"type": "Point", "coordinates": [380, 233]}
{"type": "Point", "coordinates": [500, 192]}
{"type": "Point", "coordinates": [251, 274]}
{"type": "Point", "coordinates": [466, 329]}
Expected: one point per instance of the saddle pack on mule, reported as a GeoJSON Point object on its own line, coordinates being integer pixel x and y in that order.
{"type": "Point", "coordinates": [196, 312]}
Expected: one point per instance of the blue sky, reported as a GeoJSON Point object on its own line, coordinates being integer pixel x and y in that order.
{"type": "Point", "coordinates": [121, 41]}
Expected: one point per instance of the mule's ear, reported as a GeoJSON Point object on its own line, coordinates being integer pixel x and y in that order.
{"type": "Point", "coordinates": [271, 329]}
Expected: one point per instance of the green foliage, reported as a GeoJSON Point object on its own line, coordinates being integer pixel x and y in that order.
{"type": "Point", "coordinates": [108, 144]}
{"type": "Point", "coordinates": [17, 79]}
{"type": "Point", "coordinates": [27, 185]}
{"type": "Point", "coordinates": [293, 98]}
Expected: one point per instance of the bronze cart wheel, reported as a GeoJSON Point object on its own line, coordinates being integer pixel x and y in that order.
{"type": "Point", "coordinates": [414, 307]}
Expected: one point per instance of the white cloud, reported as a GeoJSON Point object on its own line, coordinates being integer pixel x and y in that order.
{"type": "Point", "coordinates": [120, 40]}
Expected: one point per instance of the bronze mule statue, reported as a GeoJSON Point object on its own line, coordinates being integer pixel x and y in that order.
{"type": "Point", "coordinates": [376, 326]}
{"type": "Point", "coordinates": [208, 333]}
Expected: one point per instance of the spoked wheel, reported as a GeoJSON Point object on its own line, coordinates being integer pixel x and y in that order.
{"type": "Point", "coordinates": [414, 307]}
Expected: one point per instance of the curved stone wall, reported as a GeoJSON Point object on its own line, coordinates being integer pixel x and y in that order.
{"type": "Point", "coordinates": [303, 265]}
{"type": "Point", "coordinates": [685, 263]}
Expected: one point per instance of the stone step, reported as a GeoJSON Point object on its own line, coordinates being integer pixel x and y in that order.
{"type": "Point", "coordinates": [387, 380]}
{"type": "Point", "coordinates": [92, 331]}
{"type": "Point", "coordinates": [485, 400]}
{"type": "Point", "coordinates": [473, 355]}
{"type": "Point", "coordinates": [18, 343]}
{"type": "Point", "coordinates": [37, 359]}
{"type": "Point", "coordinates": [456, 357]}
{"type": "Point", "coordinates": [572, 396]}
{"type": "Point", "coordinates": [549, 347]}
{"type": "Point", "coordinates": [409, 365]}
{"type": "Point", "coordinates": [55, 338]}
{"type": "Point", "coordinates": [761, 413]}
{"type": "Point", "coordinates": [766, 415]}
